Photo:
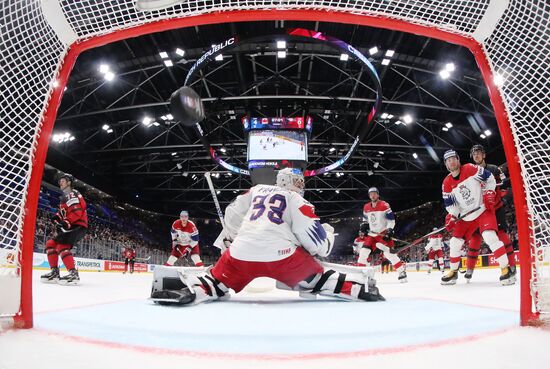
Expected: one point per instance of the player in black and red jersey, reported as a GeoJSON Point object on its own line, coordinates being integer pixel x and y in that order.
{"type": "Point", "coordinates": [129, 255]}
{"type": "Point", "coordinates": [71, 223]}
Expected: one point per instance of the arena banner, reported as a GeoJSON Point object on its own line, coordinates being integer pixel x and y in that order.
{"type": "Point", "coordinates": [118, 266]}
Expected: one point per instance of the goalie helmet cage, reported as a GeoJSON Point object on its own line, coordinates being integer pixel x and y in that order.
{"type": "Point", "coordinates": [41, 40]}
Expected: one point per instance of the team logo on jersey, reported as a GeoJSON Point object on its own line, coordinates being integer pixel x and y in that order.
{"type": "Point", "coordinates": [372, 218]}
{"type": "Point", "coordinates": [464, 192]}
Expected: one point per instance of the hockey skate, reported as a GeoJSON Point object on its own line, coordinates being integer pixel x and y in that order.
{"type": "Point", "coordinates": [507, 278]}
{"type": "Point", "coordinates": [449, 278]}
{"type": "Point", "coordinates": [468, 275]}
{"type": "Point", "coordinates": [402, 278]}
{"type": "Point", "coordinates": [429, 270]}
{"type": "Point", "coordinates": [71, 279]}
{"type": "Point", "coordinates": [372, 295]}
{"type": "Point", "coordinates": [51, 277]}
{"type": "Point", "coordinates": [174, 297]}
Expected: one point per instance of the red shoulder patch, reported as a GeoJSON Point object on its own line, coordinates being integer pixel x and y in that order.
{"type": "Point", "coordinates": [308, 211]}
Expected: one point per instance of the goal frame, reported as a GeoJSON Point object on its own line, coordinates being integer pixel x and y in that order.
{"type": "Point", "coordinates": [24, 319]}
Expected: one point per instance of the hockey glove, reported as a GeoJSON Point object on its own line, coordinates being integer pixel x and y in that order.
{"type": "Point", "coordinates": [388, 235]}
{"type": "Point", "coordinates": [56, 219]}
{"type": "Point", "coordinates": [490, 199]}
{"type": "Point", "coordinates": [450, 222]}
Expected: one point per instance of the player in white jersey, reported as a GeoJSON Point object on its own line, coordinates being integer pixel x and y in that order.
{"type": "Point", "coordinates": [275, 234]}
{"type": "Point", "coordinates": [469, 191]}
{"type": "Point", "coordinates": [434, 248]}
{"type": "Point", "coordinates": [381, 223]}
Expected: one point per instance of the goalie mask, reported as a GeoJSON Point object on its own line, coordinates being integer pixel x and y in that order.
{"type": "Point", "coordinates": [291, 179]}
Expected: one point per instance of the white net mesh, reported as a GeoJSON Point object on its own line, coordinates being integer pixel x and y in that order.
{"type": "Point", "coordinates": [517, 50]}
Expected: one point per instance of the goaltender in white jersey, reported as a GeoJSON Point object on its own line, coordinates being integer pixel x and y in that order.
{"type": "Point", "coordinates": [275, 233]}
{"type": "Point", "coordinates": [271, 223]}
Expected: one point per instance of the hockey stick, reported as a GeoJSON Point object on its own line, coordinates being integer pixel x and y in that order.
{"type": "Point", "coordinates": [420, 239]}
{"type": "Point", "coordinates": [218, 207]}
{"type": "Point", "coordinates": [215, 197]}
{"type": "Point", "coordinates": [144, 259]}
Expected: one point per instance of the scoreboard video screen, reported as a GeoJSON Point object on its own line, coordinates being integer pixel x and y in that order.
{"type": "Point", "coordinates": [277, 145]}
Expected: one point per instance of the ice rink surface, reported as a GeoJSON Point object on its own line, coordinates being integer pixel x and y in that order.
{"type": "Point", "coordinates": [107, 322]}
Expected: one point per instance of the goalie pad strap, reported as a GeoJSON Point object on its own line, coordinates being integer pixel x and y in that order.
{"type": "Point", "coordinates": [326, 275]}
{"type": "Point", "coordinates": [340, 283]}
{"type": "Point", "coordinates": [215, 284]}
{"type": "Point", "coordinates": [206, 286]}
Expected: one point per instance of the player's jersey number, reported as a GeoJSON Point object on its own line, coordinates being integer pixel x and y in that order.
{"type": "Point", "coordinates": [276, 205]}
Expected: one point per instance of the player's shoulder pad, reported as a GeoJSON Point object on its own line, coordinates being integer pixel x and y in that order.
{"type": "Point", "coordinates": [470, 168]}
{"type": "Point", "coordinates": [382, 205]}
{"type": "Point", "coordinates": [176, 224]}
{"type": "Point", "coordinates": [446, 186]}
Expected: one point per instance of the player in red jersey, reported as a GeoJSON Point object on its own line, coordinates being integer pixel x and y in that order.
{"type": "Point", "coordinates": [129, 255]}
{"type": "Point", "coordinates": [434, 247]}
{"type": "Point", "coordinates": [381, 222]}
{"type": "Point", "coordinates": [469, 189]}
{"type": "Point", "coordinates": [185, 241]}
{"type": "Point", "coordinates": [477, 153]}
{"type": "Point", "coordinates": [359, 244]}
{"type": "Point", "coordinates": [71, 223]}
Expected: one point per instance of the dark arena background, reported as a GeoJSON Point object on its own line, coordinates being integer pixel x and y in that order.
{"type": "Point", "coordinates": [453, 74]}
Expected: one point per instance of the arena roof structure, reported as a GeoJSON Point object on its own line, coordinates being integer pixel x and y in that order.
{"type": "Point", "coordinates": [127, 144]}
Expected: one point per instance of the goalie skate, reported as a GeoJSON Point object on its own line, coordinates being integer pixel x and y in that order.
{"type": "Point", "coordinates": [173, 297]}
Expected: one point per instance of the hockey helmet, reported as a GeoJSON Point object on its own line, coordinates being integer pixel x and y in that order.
{"type": "Point", "coordinates": [449, 154]}
{"type": "Point", "coordinates": [291, 179]}
{"type": "Point", "coordinates": [364, 227]}
{"type": "Point", "coordinates": [68, 177]}
{"type": "Point", "coordinates": [184, 213]}
{"type": "Point", "coordinates": [374, 189]}
{"type": "Point", "coordinates": [476, 148]}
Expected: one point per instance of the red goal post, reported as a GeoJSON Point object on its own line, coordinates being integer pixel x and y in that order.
{"type": "Point", "coordinates": [42, 39]}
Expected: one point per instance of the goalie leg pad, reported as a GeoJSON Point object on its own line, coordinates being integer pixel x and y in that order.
{"type": "Point", "coordinates": [347, 286]}
{"type": "Point", "coordinates": [205, 286]}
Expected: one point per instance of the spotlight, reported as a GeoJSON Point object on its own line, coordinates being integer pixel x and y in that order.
{"type": "Point", "coordinates": [109, 76]}
{"type": "Point", "coordinates": [344, 57]}
{"type": "Point", "coordinates": [168, 63]}
{"type": "Point", "coordinates": [385, 61]}
{"type": "Point", "coordinates": [384, 116]}
{"type": "Point", "coordinates": [373, 50]}
{"type": "Point", "coordinates": [444, 74]}
{"type": "Point", "coordinates": [281, 44]}
{"type": "Point", "coordinates": [498, 79]}
{"type": "Point", "coordinates": [487, 132]}
{"type": "Point", "coordinates": [180, 52]}
{"type": "Point", "coordinates": [449, 125]}
{"type": "Point", "coordinates": [103, 68]}
{"type": "Point", "coordinates": [219, 57]}
{"type": "Point", "coordinates": [450, 67]}
{"type": "Point", "coordinates": [105, 127]}
{"type": "Point", "coordinates": [281, 54]}
{"type": "Point", "coordinates": [415, 155]}
{"type": "Point", "coordinates": [389, 53]}
{"type": "Point", "coordinates": [163, 55]}
{"type": "Point", "coordinates": [407, 118]}
{"type": "Point", "coordinates": [332, 149]}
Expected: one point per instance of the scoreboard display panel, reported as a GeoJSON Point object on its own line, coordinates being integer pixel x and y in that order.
{"type": "Point", "coordinates": [277, 145]}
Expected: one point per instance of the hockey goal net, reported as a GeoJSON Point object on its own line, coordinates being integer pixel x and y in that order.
{"type": "Point", "coordinates": [42, 38]}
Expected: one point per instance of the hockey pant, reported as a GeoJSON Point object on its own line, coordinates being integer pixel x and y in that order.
{"type": "Point", "coordinates": [490, 237]}
{"type": "Point", "coordinates": [474, 247]}
{"type": "Point", "coordinates": [393, 258]}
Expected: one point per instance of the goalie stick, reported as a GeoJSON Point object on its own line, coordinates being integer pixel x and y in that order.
{"type": "Point", "coordinates": [420, 239]}
{"type": "Point", "coordinates": [216, 202]}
